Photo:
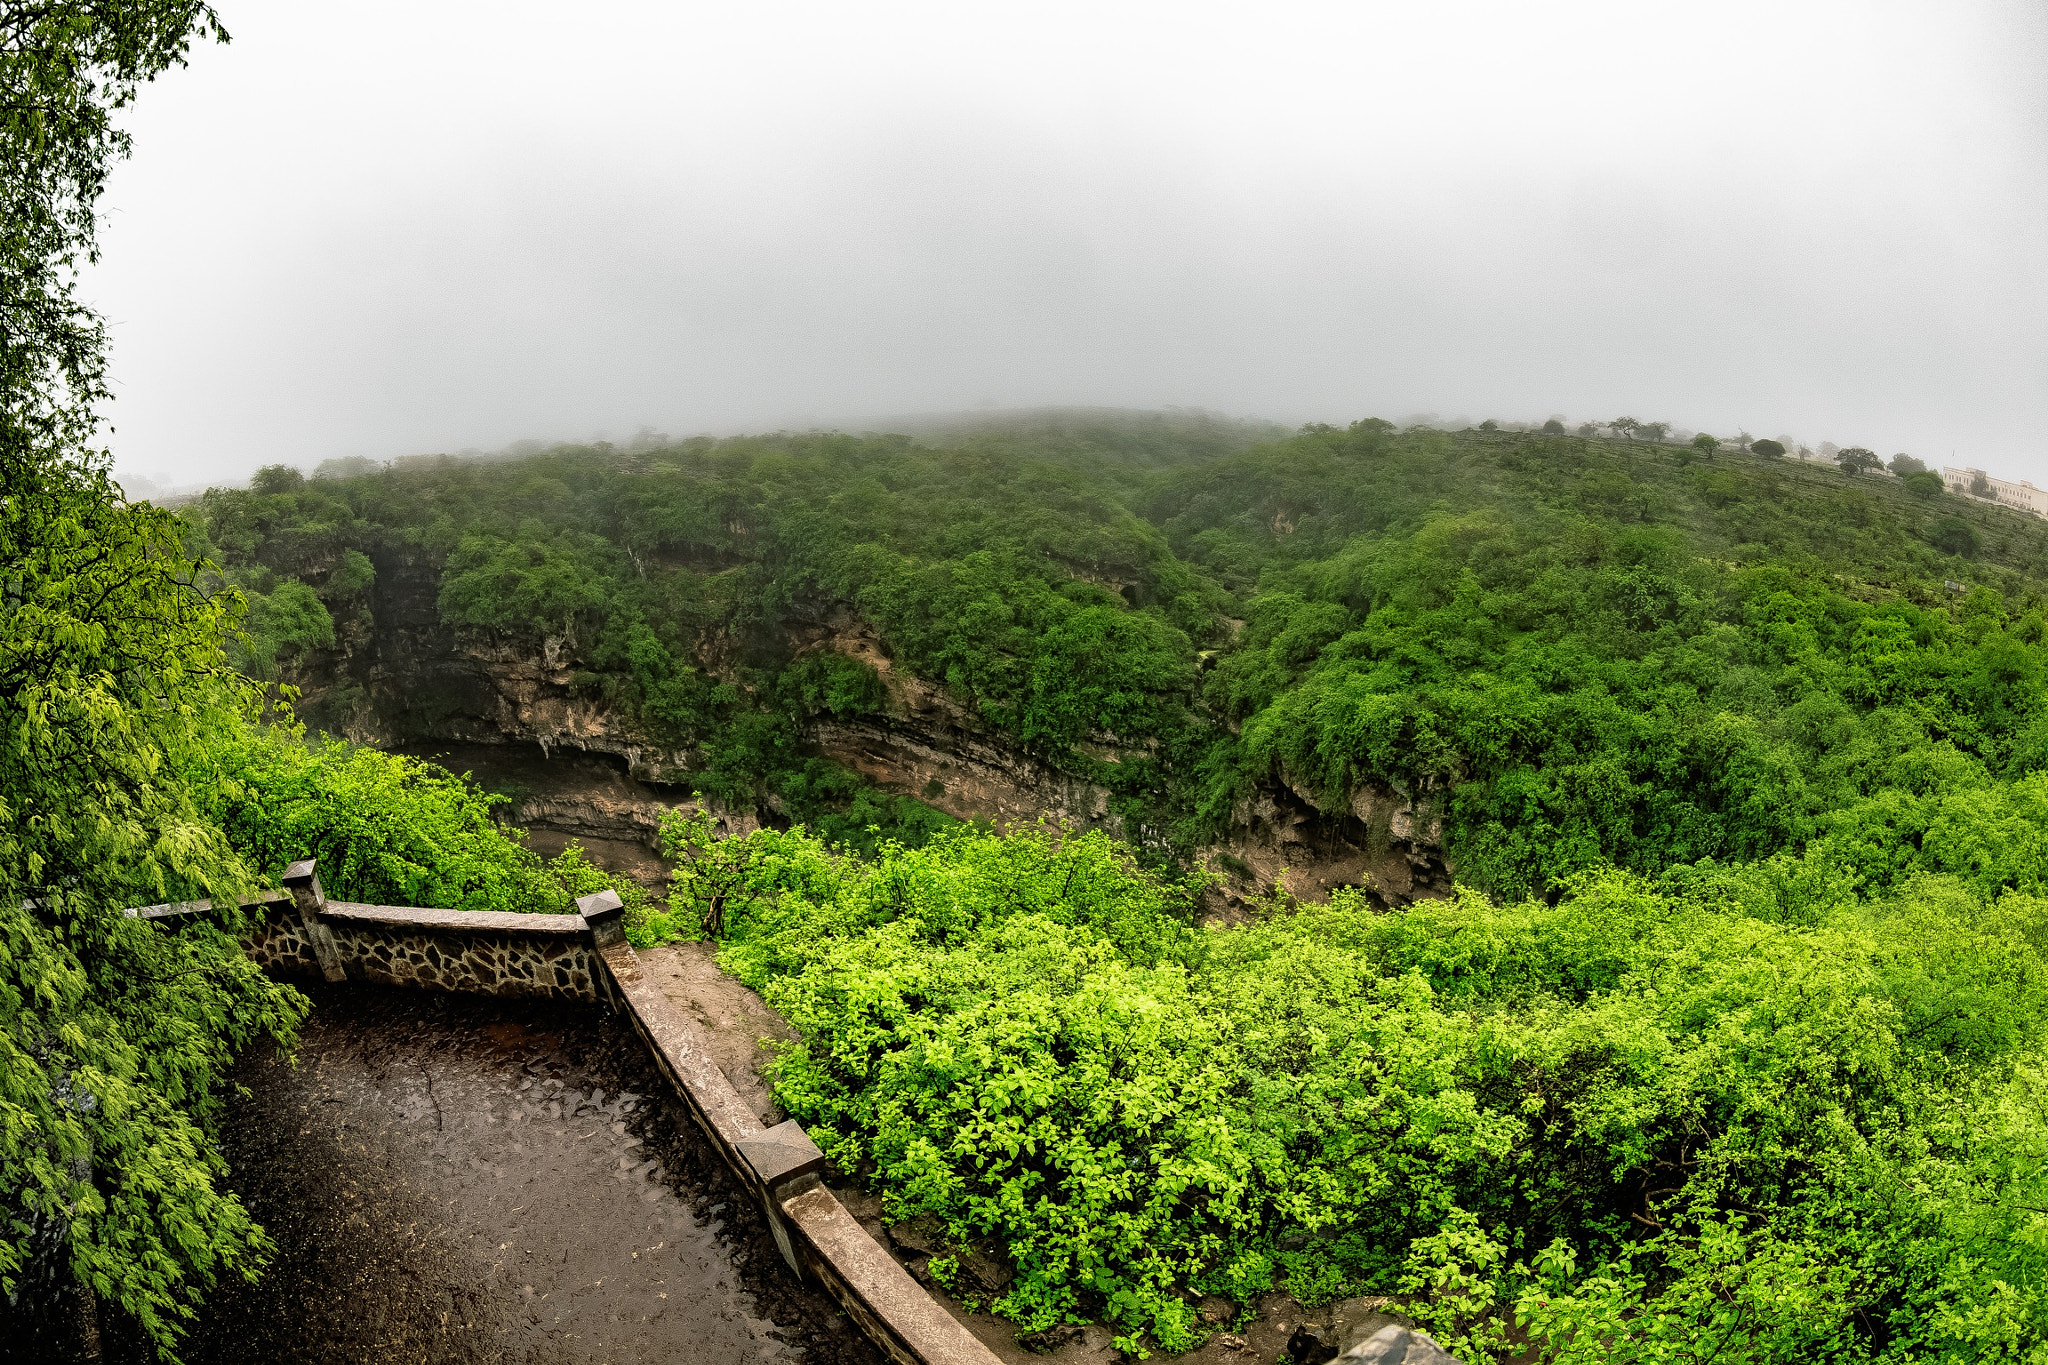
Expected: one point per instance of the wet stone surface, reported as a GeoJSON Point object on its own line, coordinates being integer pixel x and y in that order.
{"type": "Point", "coordinates": [454, 1178]}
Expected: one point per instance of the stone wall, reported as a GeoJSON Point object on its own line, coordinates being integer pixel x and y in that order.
{"type": "Point", "coordinates": [462, 950]}
{"type": "Point", "coordinates": [273, 934]}
{"type": "Point", "coordinates": [477, 951]}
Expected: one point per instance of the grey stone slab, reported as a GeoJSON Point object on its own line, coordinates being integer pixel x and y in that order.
{"type": "Point", "coordinates": [605, 914]}
{"type": "Point", "coordinates": [1394, 1344]}
{"type": "Point", "coordinates": [178, 910]}
{"type": "Point", "coordinates": [782, 1154]}
{"type": "Point", "coordinates": [681, 1050]}
{"type": "Point", "coordinates": [878, 1292]}
{"type": "Point", "coordinates": [460, 921]}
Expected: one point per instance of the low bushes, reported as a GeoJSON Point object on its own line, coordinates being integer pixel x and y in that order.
{"type": "Point", "coordinates": [1650, 1122]}
{"type": "Point", "coordinates": [394, 830]}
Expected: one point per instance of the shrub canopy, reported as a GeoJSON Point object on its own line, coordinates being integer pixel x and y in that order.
{"type": "Point", "coordinates": [1745, 1105]}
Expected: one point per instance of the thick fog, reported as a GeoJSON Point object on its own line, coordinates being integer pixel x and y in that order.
{"type": "Point", "coordinates": [387, 228]}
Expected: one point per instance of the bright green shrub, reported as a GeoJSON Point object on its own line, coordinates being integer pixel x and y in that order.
{"type": "Point", "coordinates": [393, 830]}
{"type": "Point", "coordinates": [288, 621]}
{"type": "Point", "coordinates": [1629, 1122]}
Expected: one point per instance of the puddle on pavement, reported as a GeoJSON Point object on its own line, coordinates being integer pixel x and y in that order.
{"type": "Point", "coordinates": [455, 1178]}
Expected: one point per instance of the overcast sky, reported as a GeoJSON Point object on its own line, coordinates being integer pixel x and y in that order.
{"type": "Point", "coordinates": [381, 229]}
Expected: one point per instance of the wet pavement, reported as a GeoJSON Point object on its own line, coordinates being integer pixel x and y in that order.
{"type": "Point", "coordinates": [464, 1179]}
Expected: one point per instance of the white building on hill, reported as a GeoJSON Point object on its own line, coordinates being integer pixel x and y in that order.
{"type": "Point", "coordinates": [1976, 483]}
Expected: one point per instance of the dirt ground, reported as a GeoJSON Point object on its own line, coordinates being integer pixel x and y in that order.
{"type": "Point", "coordinates": [464, 1179]}
{"type": "Point", "coordinates": [739, 1029]}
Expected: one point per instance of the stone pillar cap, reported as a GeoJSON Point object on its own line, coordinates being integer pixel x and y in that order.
{"type": "Point", "coordinates": [781, 1154]}
{"type": "Point", "coordinates": [300, 872]}
{"type": "Point", "coordinates": [1394, 1344]}
{"type": "Point", "coordinates": [604, 915]}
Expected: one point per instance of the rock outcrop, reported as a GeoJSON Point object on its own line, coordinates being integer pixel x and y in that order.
{"type": "Point", "coordinates": [929, 746]}
{"type": "Point", "coordinates": [1381, 844]}
{"type": "Point", "coordinates": [410, 681]}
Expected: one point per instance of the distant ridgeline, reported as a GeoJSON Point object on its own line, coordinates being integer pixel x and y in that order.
{"type": "Point", "coordinates": [1540, 653]}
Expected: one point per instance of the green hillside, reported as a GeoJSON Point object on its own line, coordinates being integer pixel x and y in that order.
{"type": "Point", "coordinates": [1580, 651]}
{"type": "Point", "coordinates": [1733, 1035]}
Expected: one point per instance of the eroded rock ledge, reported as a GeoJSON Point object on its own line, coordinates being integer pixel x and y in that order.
{"type": "Point", "coordinates": [411, 682]}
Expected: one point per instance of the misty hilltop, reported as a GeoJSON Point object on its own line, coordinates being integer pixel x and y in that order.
{"type": "Point", "coordinates": [1164, 608]}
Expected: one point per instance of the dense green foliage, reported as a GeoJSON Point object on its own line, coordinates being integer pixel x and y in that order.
{"type": "Point", "coordinates": [1577, 652]}
{"type": "Point", "coordinates": [1742, 1115]}
{"type": "Point", "coordinates": [1584, 667]}
{"type": "Point", "coordinates": [1733, 1043]}
{"type": "Point", "coordinates": [668, 577]}
{"type": "Point", "coordinates": [393, 830]}
{"type": "Point", "coordinates": [112, 1038]}
{"type": "Point", "coordinates": [134, 770]}
{"type": "Point", "coordinates": [116, 1036]}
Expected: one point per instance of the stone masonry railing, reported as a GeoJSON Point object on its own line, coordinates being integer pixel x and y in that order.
{"type": "Point", "coordinates": [585, 956]}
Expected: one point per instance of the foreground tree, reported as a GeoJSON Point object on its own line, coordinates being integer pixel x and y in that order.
{"type": "Point", "coordinates": [113, 687]}
{"type": "Point", "coordinates": [1858, 460]}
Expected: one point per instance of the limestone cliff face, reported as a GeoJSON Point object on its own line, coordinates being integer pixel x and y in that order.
{"type": "Point", "coordinates": [930, 746]}
{"type": "Point", "coordinates": [410, 680]}
{"type": "Point", "coordinates": [1382, 844]}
